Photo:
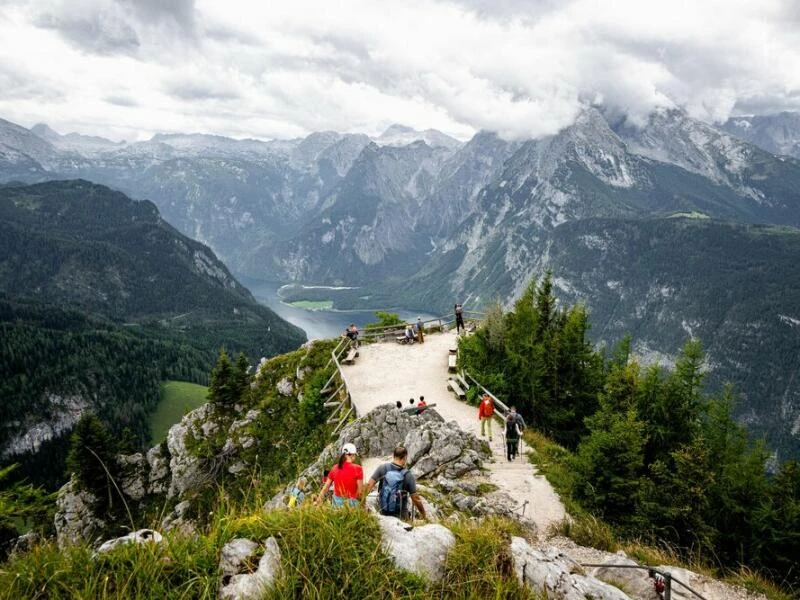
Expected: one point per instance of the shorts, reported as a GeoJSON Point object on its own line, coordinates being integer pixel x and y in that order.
{"type": "Point", "coordinates": [339, 502]}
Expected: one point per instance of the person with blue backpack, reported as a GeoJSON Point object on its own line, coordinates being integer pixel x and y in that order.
{"type": "Point", "coordinates": [396, 485]}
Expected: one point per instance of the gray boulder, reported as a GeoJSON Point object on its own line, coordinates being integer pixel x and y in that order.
{"type": "Point", "coordinates": [435, 447]}
{"type": "Point", "coordinates": [421, 550]}
{"type": "Point", "coordinates": [142, 536]}
{"type": "Point", "coordinates": [235, 555]}
{"type": "Point", "coordinates": [551, 574]}
{"type": "Point", "coordinates": [250, 586]}
{"type": "Point", "coordinates": [75, 519]}
{"type": "Point", "coordinates": [158, 464]}
{"type": "Point", "coordinates": [134, 474]}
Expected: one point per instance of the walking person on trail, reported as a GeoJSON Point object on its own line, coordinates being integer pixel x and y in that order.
{"type": "Point", "coordinates": [347, 478]}
{"type": "Point", "coordinates": [515, 425]}
{"type": "Point", "coordinates": [459, 310]}
{"type": "Point", "coordinates": [486, 414]}
{"type": "Point", "coordinates": [396, 485]}
{"type": "Point", "coordinates": [419, 330]}
{"type": "Point", "coordinates": [298, 493]}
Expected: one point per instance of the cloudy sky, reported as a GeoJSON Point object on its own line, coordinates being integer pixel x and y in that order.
{"type": "Point", "coordinates": [281, 69]}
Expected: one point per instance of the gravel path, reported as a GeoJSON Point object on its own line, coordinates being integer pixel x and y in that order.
{"type": "Point", "coordinates": [387, 372]}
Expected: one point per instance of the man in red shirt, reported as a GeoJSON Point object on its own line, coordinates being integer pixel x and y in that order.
{"type": "Point", "coordinates": [486, 414]}
{"type": "Point", "coordinates": [347, 478]}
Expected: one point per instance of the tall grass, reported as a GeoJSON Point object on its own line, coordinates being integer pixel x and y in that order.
{"type": "Point", "coordinates": [326, 554]}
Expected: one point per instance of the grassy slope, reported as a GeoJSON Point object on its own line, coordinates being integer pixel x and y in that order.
{"type": "Point", "coordinates": [177, 398]}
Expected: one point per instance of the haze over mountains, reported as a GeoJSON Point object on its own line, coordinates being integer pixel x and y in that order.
{"type": "Point", "coordinates": [418, 219]}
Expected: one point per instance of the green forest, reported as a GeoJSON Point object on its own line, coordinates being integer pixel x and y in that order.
{"type": "Point", "coordinates": [645, 449]}
{"type": "Point", "coordinates": [101, 301]}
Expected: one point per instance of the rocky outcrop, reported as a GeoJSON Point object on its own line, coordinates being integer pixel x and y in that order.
{"type": "Point", "coordinates": [75, 519]}
{"type": "Point", "coordinates": [555, 576]}
{"type": "Point", "coordinates": [235, 562]}
{"type": "Point", "coordinates": [421, 550]}
{"type": "Point", "coordinates": [434, 447]}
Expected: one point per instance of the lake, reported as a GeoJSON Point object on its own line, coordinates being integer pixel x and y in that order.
{"type": "Point", "coordinates": [319, 323]}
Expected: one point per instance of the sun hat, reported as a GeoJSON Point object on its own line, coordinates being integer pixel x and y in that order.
{"type": "Point", "coordinates": [349, 449]}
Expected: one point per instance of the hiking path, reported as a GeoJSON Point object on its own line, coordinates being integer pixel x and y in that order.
{"type": "Point", "coordinates": [386, 372]}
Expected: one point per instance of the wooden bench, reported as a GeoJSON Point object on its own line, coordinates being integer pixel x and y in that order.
{"type": "Point", "coordinates": [451, 362]}
{"type": "Point", "coordinates": [352, 354]}
{"type": "Point", "coordinates": [462, 382]}
{"type": "Point", "coordinates": [452, 384]}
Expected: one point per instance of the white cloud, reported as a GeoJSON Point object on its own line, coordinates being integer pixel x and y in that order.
{"type": "Point", "coordinates": [280, 69]}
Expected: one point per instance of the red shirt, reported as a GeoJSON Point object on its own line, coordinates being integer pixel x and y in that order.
{"type": "Point", "coordinates": [345, 480]}
{"type": "Point", "coordinates": [486, 409]}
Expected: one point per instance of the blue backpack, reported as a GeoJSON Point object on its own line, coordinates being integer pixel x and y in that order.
{"type": "Point", "coordinates": [391, 493]}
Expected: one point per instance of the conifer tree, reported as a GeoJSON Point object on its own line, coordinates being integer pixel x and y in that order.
{"type": "Point", "coordinates": [92, 458]}
{"type": "Point", "coordinates": [225, 386]}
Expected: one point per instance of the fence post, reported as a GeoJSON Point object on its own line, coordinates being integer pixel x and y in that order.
{"type": "Point", "coordinates": [667, 586]}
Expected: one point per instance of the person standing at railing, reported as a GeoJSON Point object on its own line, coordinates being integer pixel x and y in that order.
{"type": "Point", "coordinates": [486, 414]}
{"type": "Point", "coordinates": [419, 330]}
{"type": "Point", "coordinates": [459, 310]}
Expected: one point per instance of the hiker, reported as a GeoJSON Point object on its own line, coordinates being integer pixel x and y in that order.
{"type": "Point", "coordinates": [460, 318]}
{"type": "Point", "coordinates": [515, 425]}
{"type": "Point", "coordinates": [420, 335]}
{"type": "Point", "coordinates": [298, 493]}
{"type": "Point", "coordinates": [409, 334]}
{"type": "Point", "coordinates": [486, 414]}
{"type": "Point", "coordinates": [421, 405]}
{"type": "Point", "coordinates": [396, 485]}
{"type": "Point", "coordinates": [352, 333]}
{"type": "Point", "coordinates": [347, 478]}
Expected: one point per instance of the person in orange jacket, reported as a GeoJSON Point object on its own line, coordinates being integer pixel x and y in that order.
{"type": "Point", "coordinates": [485, 414]}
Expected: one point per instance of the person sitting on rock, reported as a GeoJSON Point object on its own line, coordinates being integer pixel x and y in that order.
{"type": "Point", "coordinates": [515, 425]}
{"type": "Point", "coordinates": [347, 478]}
{"type": "Point", "coordinates": [409, 334]}
{"type": "Point", "coordinates": [352, 333]}
{"type": "Point", "coordinates": [421, 405]}
{"type": "Point", "coordinates": [396, 485]}
{"type": "Point", "coordinates": [298, 492]}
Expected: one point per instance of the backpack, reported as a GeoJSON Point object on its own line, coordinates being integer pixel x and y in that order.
{"type": "Point", "coordinates": [514, 427]}
{"type": "Point", "coordinates": [296, 498]}
{"type": "Point", "coordinates": [391, 493]}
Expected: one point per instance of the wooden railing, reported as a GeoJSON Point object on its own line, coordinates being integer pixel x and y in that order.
{"type": "Point", "coordinates": [335, 392]}
{"type": "Point", "coordinates": [442, 323]}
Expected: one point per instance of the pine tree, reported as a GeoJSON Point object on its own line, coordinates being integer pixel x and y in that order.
{"type": "Point", "coordinates": [225, 387]}
{"type": "Point", "coordinates": [92, 458]}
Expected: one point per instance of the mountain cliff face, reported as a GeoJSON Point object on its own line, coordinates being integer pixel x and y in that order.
{"type": "Point", "coordinates": [778, 134]}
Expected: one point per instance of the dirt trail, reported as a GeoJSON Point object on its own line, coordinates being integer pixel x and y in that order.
{"type": "Point", "coordinates": [387, 372]}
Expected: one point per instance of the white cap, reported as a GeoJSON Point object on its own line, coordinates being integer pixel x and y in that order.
{"type": "Point", "coordinates": [349, 449]}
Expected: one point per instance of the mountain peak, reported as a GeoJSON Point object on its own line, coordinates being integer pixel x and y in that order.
{"type": "Point", "coordinates": [402, 135]}
{"type": "Point", "coordinates": [45, 132]}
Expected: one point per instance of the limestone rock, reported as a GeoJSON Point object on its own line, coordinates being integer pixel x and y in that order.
{"type": "Point", "coordinates": [142, 536]}
{"type": "Point", "coordinates": [421, 550]}
{"type": "Point", "coordinates": [75, 519]}
{"type": "Point", "coordinates": [159, 476]}
{"type": "Point", "coordinates": [285, 387]}
{"type": "Point", "coordinates": [551, 574]}
{"type": "Point", "coordinates": [177, 522]}
{"type": "Point", "coordinates": [635, 581]}
{"type": "Point", "coordinates": [186, 469]}
{"type": "Point", "coordinates": [235, 555]}
{"type": "Point", "coordinates": [251, 586]}
{"type": "Point", "coordinates": [134, 474]}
